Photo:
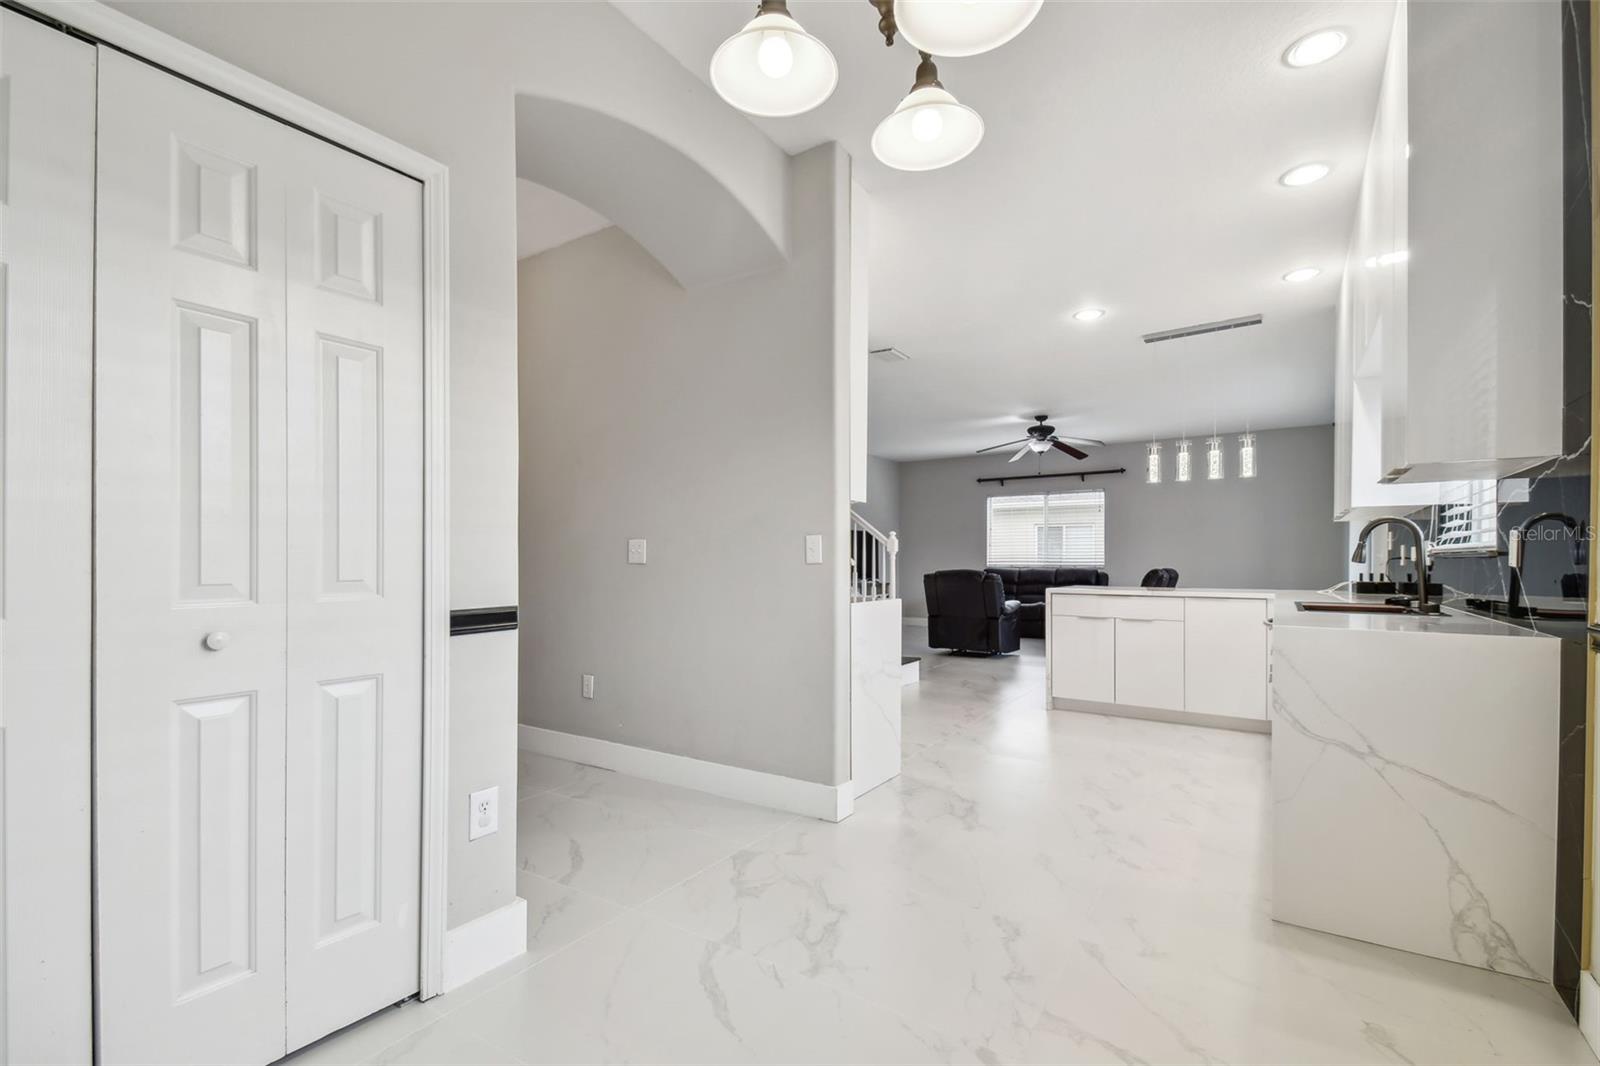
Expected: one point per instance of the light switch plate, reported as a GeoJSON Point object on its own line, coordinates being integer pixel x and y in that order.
{"type": "Point", "coordinates": [483, 809]}
{"type": "Point", "coordinates": [588, 686]}
{"type": "Point", "coordinates": [636, 552]}
{"type": "Point", "coordinates": [813, 549]}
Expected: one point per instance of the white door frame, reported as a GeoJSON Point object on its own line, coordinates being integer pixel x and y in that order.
{"type": "Point", "coordinates": [128, 34]}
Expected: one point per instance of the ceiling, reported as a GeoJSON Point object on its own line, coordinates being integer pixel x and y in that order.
{"type": "Point", "coordinates": [546, 219]}
{"type": "Point", "coordinates": [1130, 162]}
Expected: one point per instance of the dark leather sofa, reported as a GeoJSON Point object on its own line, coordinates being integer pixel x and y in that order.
{"type": "Point", "coordinates": [1026, 585]}
{"type": "Point", "coordinates": [968, 612]}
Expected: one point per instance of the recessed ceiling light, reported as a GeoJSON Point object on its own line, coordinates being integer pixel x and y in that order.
{"type": "Point", "coordinates": [1305, 174]}
{"type": "Point", "coordinates": [1314, 48]}
{"type": "Point", "coordinates": [1089, 314]}
{"type": "Point", "coordinates": [1302, 274]}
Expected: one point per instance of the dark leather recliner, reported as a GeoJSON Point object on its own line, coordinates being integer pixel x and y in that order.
{"type": "Point", "coordinates": [1162, 577]}
{"type": "Point", "coordinates": [968, 611]}
{"type": "Point", "coordinates": [1026, 585]}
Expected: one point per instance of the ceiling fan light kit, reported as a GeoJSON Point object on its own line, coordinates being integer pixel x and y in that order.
{"type": "Point", "coordinates": [773, 68]}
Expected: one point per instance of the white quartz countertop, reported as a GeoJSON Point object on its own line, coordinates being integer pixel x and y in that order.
{"type": "Point", "coordinates": [1178, 594]}
{"type": "Point", "coordinates": [1285, 613]}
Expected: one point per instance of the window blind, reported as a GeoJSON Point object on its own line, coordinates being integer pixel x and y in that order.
{"type": "Point", "coordinates": [1054, 529]}
{"type": "Point", "coordinates": [1467, 517]}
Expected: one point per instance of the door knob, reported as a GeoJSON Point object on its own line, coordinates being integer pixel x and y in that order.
{"type": "Point", "coordinates": [217, 641]}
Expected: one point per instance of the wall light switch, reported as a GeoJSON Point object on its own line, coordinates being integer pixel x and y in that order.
{"type": "Point", "coordinates": [484, 809]}
{"type": "Point", "coordinates": [636, 552]}
{"type": "Point", "coordinates": [588, 686]}
{"type": "Point", "coordinates": [813, 549]}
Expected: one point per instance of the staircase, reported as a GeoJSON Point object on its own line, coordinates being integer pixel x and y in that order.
{"type": "Point", "coordinates": [873, 557]}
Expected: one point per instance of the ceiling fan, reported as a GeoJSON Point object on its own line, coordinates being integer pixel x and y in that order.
{"type": "Point", "coordinates": [1042, 437]}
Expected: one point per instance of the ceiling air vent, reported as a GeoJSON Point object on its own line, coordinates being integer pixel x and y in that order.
{"type": "Point", "coordinates": [1203, 327]}
{"type": "Point", "coordinates": [890, 355]}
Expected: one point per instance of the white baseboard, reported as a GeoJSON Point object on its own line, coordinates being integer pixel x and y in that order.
{"type": "Point", "coordinates": [488, 941]}
{"type": "Point", "coordinates": [913, 620]}
{"type": "Point", "coordinates": [831, 803]}
{"type": "Point", "coordinates": [1589, 1010]}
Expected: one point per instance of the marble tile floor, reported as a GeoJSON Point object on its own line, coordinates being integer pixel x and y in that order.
{"type": "Point", "coordinates": [1036, 887]}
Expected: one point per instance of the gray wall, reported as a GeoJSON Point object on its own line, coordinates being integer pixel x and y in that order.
{"type": "Point", "coordinates": [882, 505]}
{"type": "Point", "coordinates": [707, 421]}
{"type": "Point", "coordinates": [1270, 532]}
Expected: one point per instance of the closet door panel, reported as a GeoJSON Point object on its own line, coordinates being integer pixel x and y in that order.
{"type": "Point", "coordinates": [190, 563]}
{"type": "Point", "coordinates": [354, 338]}
{"type": "Point", "coordinates": [47, 84]}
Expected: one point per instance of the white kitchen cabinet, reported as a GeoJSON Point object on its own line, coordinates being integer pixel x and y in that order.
{"type": "Point", "coordinates": [1083, 658]}
{"type": "Point", "coordinates": [1225, 657]}
{"type": "Point", "coordinates": [1371, 331]}
{"type": "Point", "coordinates": [1174, 655]}
{"type": "Point", "coordinates": [1476, 390]}
{"type": "Point", "coordinates": [1150, 663]}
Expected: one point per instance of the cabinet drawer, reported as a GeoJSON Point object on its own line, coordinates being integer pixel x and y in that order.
{"type": "Point", "coordinates": [1167, 608]}
{"type": "Point", "coordinates": [1150, 663]}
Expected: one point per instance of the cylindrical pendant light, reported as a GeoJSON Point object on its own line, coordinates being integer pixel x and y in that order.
{"type": "Point", "coordinates": [962, 27]}
{"type": "Point", "coordinates": [930, 128]}
{"type": "Point", "coordinates": [772, 68]}
{"type": "Point", "coordinates": [1183, 465]}
{"type": "Point", "coordinates": [1247, 455]}
{"type": "Point", "coordinates": [1214, 459]}
{"type": "Point", "coordinates": [1152, 464]}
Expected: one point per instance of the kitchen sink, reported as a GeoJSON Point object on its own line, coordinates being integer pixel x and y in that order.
{"type": "Point", "coordinates": [1346, 607]}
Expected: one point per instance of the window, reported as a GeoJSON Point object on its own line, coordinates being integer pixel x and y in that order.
{"type": "Point", "coordinates": [1465, 520]}
{"type": "Point", "coordinates": [1056, 529]}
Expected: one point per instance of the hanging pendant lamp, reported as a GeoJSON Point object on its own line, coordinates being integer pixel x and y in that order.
{"type": "Point", "coordinates": [962, 27]}
{"type": "Point", "coordinates": [773, 68]}
{"type": "Point", "coordinates": [929, 129]}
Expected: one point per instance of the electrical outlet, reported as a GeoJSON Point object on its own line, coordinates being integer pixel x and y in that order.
{"type": "Point", "coordinates": [484, 810]}
{"type": "Point", "coordinates": [813, 549]}
{"type": "Point", "coordinates": [636, 552]}
{"type": "Point", "coordinates": [588, 686]}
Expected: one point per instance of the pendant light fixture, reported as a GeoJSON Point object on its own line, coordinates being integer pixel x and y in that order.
{"type": "Point", "coordinates": [1214, 459]}
{"type": "Point", "coordinates": [962, 27]}
{"type": "Point", "coordinates": [1184, 469]}
{"type": "Point", "coordinates": [930, 128]}
{"type": "Point", "coordinates": [1152, 464]}
{"type": "Point", "coordinates": [773, 68]}
{"type": "Point", "coordinates": [1247, 454]}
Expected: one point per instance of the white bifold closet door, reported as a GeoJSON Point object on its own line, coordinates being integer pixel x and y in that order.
{"type": "Point", "coordinates": [46, 309]}
{"type": "Point", "coordinates": [258, 584]}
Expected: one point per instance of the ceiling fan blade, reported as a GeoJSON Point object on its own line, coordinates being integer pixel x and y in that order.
{"type": "Point", "coordinates": [1024, 450]}
{"type": "Point", "coordinates": [1087, 442]}
{"type": "Point", "coordinates": [1069, 449]}
{"type": "Point", "coordinates": [1007, 444]}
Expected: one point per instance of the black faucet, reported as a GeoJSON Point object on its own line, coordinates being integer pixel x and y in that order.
{"type": "Point", "coordinates": [1360, 555]}
{"type": "Point", "coordinates": [1515, 546]}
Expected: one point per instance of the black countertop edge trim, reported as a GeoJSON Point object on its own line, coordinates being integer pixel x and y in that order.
{"type": "Point", "coordinates": [482, 620]}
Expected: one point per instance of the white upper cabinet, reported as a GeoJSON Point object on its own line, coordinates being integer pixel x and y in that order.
{"type": "Point", "coordinates": [1475, 391]}
{"type": "Point", "coordinates": [1448, 357]}
{"type": "Point", "coordinates": [1372, 336]}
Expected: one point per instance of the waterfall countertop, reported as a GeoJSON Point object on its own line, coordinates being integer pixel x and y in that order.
{"type": "Point", "coordinates": [1285, 613]}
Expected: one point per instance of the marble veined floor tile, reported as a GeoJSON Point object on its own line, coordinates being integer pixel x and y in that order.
{"type": "Point", "coordinates": [606, 852]}
{"type": "Point", "coordinates": [641, 990]}
{"type": "Point", "coordinates": [541, 773]}
{"type": "Point", "coordinates": [808, 901]}
{"type": "Point", "coordinates": [738, 823]}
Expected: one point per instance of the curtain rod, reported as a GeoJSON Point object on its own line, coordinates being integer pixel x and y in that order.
{"type": "Point", "coordinates": [1081, 474]}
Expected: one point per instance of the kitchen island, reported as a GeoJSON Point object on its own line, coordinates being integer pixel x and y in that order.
{"type": "Point", "coordinates": [1413, 757]}
{"type": "Point", "coordinates": [1414, 776]}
